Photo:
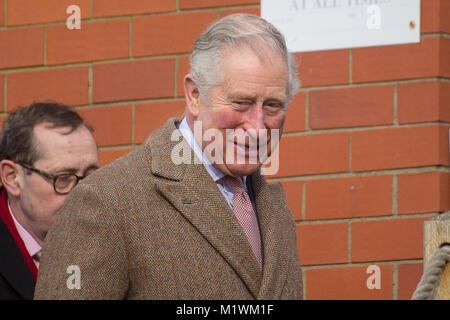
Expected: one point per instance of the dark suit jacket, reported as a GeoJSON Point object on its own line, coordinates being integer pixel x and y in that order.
{"type": "Point", "coordinates": [16, 280]}
{"type": "Point", "coordinates": [144, 228]}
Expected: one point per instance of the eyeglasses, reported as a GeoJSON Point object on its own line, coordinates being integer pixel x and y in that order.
{"type": "Point", "coordinates": [62, 183]}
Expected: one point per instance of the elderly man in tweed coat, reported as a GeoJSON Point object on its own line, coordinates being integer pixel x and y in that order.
{"type": "Point", "coordinates": [152, 225]}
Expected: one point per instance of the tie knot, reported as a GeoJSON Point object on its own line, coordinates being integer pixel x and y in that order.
{"type": "Point", "coordinates": [235, 184]}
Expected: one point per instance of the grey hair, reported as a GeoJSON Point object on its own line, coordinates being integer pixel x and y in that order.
{"type": "Point", "coordinates": [17, 142]}
{"type": "Point", "coordinates": [236, 31]}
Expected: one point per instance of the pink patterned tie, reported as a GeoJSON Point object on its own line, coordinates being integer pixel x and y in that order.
{"type": "Point", "coordinates": [243, 210]}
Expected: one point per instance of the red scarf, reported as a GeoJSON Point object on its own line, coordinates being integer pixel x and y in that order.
{"type": "Point", "coordinates": [5, 215]}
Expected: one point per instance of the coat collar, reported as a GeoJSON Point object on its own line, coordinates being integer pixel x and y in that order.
{"type": "Point", "coordinates": [274, 237]}
{"type": "Point", "coordinates": [13, 267]}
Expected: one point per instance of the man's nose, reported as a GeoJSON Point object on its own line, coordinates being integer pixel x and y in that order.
{"type": "Point", "coordinates": [255, 119]}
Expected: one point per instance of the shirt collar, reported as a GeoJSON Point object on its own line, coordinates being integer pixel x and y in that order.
{"type": "Point", "coordinates": [31, 244]}
{"type": "Point", "coordinates": [188, 135]}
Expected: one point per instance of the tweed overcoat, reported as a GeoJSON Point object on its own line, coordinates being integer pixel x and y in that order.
{"type": "Point", "coordinates": [144, 228]}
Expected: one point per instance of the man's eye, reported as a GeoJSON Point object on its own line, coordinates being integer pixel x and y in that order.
{"type": "Point", "coordinates": [274, 107]}
{"type": "Point", "coordinates": [242, 104]}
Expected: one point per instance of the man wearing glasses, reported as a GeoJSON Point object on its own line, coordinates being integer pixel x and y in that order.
{"type": "Point", "coordinates": [45, 150]}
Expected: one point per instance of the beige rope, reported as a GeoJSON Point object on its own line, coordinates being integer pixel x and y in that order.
{"type": "Point", "coordinates": [430, 279]}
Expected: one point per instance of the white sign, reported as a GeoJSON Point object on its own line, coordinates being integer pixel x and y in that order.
{"type": "Point", "coordinates": [311, 25]}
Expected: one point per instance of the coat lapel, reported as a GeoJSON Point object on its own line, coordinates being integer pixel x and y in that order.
{"type": "Point", "coordinates": [13, 267]}
{"type": "Point", "coordinates": [192, 191]}
{"type": "Point", "coordinates": [273, 237]}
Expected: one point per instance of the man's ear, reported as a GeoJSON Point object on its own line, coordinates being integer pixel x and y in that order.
{"type": "Point", "coordinates": [192, 96]}
{"type": "Point", "coordinates": [9, 173]}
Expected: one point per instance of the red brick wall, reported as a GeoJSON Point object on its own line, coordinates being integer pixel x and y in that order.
{"type": "Point", "coordinates": [366, 152]}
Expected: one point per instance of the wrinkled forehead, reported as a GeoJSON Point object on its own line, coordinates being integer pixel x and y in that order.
{"type": "Point", "coordinates": [263, 62]}
{"type": "Point", "coordinates": [48, 127]}
{"type": "Point", "coordinates": [46, 132]}
{"type": "Point", "coordinates": [265, 54]}
{"type": "Point", "coordinates": [48, 139]}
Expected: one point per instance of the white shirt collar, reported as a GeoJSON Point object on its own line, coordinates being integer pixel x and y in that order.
{"type": "Point", "coordinates": [31, 244]}
{"type": "Point", "coordinates": [188, 135]}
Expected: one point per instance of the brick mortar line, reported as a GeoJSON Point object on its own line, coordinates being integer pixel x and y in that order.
{"type": "Point", "coordinates": [90, 84]}
{"type": "Point", "coordinates": [350, 151]}
{"type": "Point", "coordinates": [395, 195]}
{"type": "Point", "coordinates": [222, 8]}
{"type": "Point", "coordinates": [38, 68]}
{"type": "Point", "coordinates": [42, 68]}
{"type": "Point", "coordinates": [45, 47]}
{"type": "Point", "coordinates": [395, 105]}
{"type": "Point", "coordinates": [137, 58]}
{"type": "Point", "coordinates": [303, 200]}
{"type": "Point", "coordinates": [130, 38]}
{"type": "Point", "coordinates": [361, 264]}
{"type": "Point", "coordinates": [384, 172]}
{"type": "Point", "coordinates": [42, 24]}
{"type": "Point", "coordinates": [435, 34]}
{"type": "Point", "coordinates": [305, 283]}
{"type": "Point", "coordinates": [367, 219]}
{"type": "Point", "coordinates": [84, 20]}
{"type": "Point", "coordinates": [349, 242]}
{"type": "Point", "coordinates": [187, 54]}
{"type": "Point", "coordinates": [374, 83]}
{"type": "Point", "coordinates": [91, 18]}
{"type": "Point", "coordinates": [350, 66]}
{"type": "Point", "coordinates": [395, 281]}
{"type": "Point", "coordinates": [126, 102]}
{"type": "Point", "coordinates": [179, 98]}
{"type": "Point", "coordinates": [363, 128]}
{"type": "Point", "coordinates": [307, 111]}
{"type": "Point", "coordinates": [116, 148]}
{"type": "Point", "coordinates": [86, 63]}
